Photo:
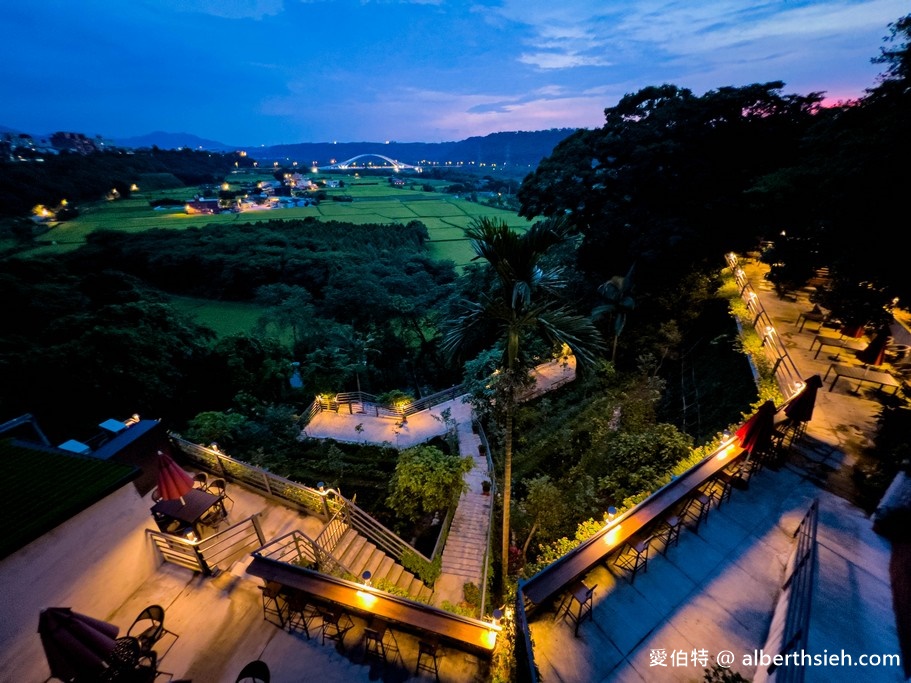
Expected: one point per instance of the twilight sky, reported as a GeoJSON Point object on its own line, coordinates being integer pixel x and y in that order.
{"type": "Point", "coordinates": [251, 72]}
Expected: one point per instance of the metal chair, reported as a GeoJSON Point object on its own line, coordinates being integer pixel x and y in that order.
{"type": "Point", "coordinates": [300, 613]}
{"type": "Point", "coordinates": [219, 487]}
{"type": "Point", "coordinates": [256, 671]}
{"type": "Point", "coordinates": [336, 623]}
{"type": "Point", "coordinates": [148, 628]}
{"type": "Point", "coordinates": [668, 532]}
{"type": "Point", "coordinates": [634, 557]}
{"type": "Point", "coordinates": [429, 654]}
{"type": "Point", "coordinates": [697, 509]}
{"type": "Point", "coordinates": [200, 480]}
{"type": "Point", "coordinates": [274, 603]}
{"type": "Point", "coordinates": [581, 596]}
{"type": "Point", "coordinates": [719, 488]}
{"type": "Point", "coordinates": [379, 640]}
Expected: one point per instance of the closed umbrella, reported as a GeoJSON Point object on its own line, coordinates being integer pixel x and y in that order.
{"type": "Point", "coordinates": [76, 646]}
{"type": "Point", "coordinates": [875, 353]}
{"type": "Point", "coordinates": [756, 433]}
{"type": "Point", "coordinates": [173, 482]}
{"type": "Point", "coordinates": [800, 409]}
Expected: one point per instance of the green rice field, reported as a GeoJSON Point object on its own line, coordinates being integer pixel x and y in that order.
{"type": "Point", "coordinates": [373, 202]}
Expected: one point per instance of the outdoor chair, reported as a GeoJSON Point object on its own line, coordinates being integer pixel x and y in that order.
{"type": "Point", "coordinates": [200, 480]}
{"type": "Point", "coordinates": [634, 557]}
{"type": "Point", "coordinates": [148, 628]}
{"type": "Point", "coordinates": [275, 603]}
{"type": "Point", "coordinates": [129, 664]}
{"type": "Point", "coordinates": [668, 531]}
{"type": "Point", "coordinates": [719, 488]}
{"type": "Point", "coordinates": [256, 671]}
{"type": "Point", "coordinates": [301, 613]}
{"type": "Point", "coordinates": [696, 511]}
{"type": "Point", "coordinates": [219, 488]}
{"type": "Point", "coordinates": [336, 623]}
{"type": "Point", "coordinates": [376, 643]}
{"type": "Point", "coordinates": [429, 654]}
{"type": "Point", "coordinates": [580, 596]}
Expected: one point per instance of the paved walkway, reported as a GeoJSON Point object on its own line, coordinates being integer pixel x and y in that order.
{"type": "Point", "coordinates": [463, 555]}
{"type": "Point", "coordinates": [716, 591]}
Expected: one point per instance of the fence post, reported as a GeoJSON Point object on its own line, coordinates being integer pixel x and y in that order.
{"type": "Point", "coordinates": [203, 565]}
{"type": "Point", "coordinates": [259, 530]}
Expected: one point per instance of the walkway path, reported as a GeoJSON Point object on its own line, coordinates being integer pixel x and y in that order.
{"type": "Point", "coordinates": [463, 555]}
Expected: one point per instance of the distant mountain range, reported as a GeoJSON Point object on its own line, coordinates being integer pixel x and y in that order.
{"type": "Point", "coordinates": [523, 148]}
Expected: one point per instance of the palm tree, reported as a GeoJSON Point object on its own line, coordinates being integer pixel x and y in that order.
{"type": "Point", "coordinates": [522, 304]}
{"type": "Point", "coordinates": [619, 301]}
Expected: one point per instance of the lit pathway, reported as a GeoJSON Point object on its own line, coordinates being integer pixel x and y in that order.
{"type": "Point", "coordinates": [463, 555]}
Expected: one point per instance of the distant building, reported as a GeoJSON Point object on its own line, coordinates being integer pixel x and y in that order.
{"type": "Point", "coordinates": [201, 205]}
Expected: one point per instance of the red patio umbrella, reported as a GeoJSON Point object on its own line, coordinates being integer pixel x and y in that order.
{"type": "Point", "coordinates": [76, 646]}
{"type": "Point", "coordinates": [173, 482]}
{"type": "Point", "coordinates": [800, 409]}
{"type": "Point", "coordinates": [756, 433]}
{"type": "Point", "coordinates": [875, 353]}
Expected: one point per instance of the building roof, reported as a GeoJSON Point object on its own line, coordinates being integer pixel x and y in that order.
{"type": "Point", "coordinates": [41, 487]}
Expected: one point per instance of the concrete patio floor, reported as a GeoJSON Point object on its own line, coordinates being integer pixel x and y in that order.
{"type": "Point", "coordinates": [221, 627]}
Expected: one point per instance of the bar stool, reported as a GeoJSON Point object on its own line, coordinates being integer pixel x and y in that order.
{"type": "Point", "coordinates": [634, 557]}
{"type": "Point", "coordinates": [669, 531]}
{"type": "Point", "coordinates": [719, 488]}
{"type": "Point", "coordinates": [581, 596]}
{"type": "Point", "coordinates": [376, 643]}
{"type": "Point", "coordinates": [697, 509]}
{"type": "Point", "coordinates": [336, 623]}
{"type": "Point", "coordinates": [200, 480]}
{"type": "Point", "coordinates": [274, 602]}
{"type": "Point", "coordinates": [429, 654]}
{"type": "Point", "coordinates": [300, 613]}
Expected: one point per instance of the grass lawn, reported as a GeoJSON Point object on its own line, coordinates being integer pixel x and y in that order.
{"type": "Point", "coordinates": [225, 317]}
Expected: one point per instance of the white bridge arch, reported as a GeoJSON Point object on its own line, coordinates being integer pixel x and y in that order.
{"type": "Point", "coordinates": [390, 163]}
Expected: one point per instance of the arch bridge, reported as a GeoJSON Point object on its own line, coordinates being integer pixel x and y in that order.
{"type": "Point", "coordinates": [352, 163]}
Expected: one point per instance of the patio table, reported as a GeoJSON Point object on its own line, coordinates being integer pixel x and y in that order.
{"type": "Point", "coordinates": [861, 374]}
{"type": "Point", "coordinates": [196, 503]}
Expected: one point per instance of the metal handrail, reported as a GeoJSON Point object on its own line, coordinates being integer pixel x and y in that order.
{"type": "Point", "coordinates": [493, 492]}
{"type": "Point", "coordinates": [789, 378]}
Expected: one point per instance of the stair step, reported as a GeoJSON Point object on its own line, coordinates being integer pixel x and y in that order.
{"type": "Point", "coordinates": [353, 549]}
{"type": "Point", "coordinates": [359, 562]}
{"type": "Point", "coordinates": [386, 565]}
{"type": "Point", "coordinates": [404, 581]}
{"type": "Point", "coordinates": [347, 538]}
{"type": "Point", "coordinates": [372, 563]}
{"type": "Point", "coordinates": [394, 573]}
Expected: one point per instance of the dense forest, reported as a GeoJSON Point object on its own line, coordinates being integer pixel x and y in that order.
{"type": "Point", "coordinates": [634, 219]}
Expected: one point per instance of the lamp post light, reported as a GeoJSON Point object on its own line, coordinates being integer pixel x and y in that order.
{"type": "Point", "coordinates": [322, 495]}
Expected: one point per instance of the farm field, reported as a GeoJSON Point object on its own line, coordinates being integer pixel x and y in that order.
{"type": "Point", "coordinates": [372, 202]}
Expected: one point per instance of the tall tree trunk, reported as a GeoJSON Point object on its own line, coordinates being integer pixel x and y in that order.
{"type": "Point", "coordinates": [507, 491]}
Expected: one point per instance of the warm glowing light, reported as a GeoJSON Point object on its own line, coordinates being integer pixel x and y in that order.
{"type": "Point", "coordinates": [368, 600]}
{"type": "Point", "coordinates": [490, 639]}
{"type": "Point", "coordinates": [610, 538]}
{"type": "Point", "coordinates": [725, 452]}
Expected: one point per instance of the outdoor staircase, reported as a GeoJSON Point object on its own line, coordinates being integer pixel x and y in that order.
{"type": "Point", "coordinates": [358, 555]}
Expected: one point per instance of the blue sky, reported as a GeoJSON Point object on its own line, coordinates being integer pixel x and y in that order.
{"type": "Point", "coordinates": [250, 72]}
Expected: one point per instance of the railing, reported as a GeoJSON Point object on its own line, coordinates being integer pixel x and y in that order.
{"type": "Point", "coordinates": [491, 477]}
{"type": "Point", "coordinates": [332, 533]}
{"type": "Point", "coordinates": [206, 555]}
{"type": "Point", "coordinates": [228, 546]}
{"type": "Point", "coordinates": [368, 403]}
{"type": "Point", "coordinates": [323, 504]}
{"type": "Point", "coordinates": [179, 551]}
{"type": "Point", "coordinates": [789, 377]}
{"type": "Point", "coordinates": [790, 624]}
{"type": "Point", "coordinates": [296, 548]}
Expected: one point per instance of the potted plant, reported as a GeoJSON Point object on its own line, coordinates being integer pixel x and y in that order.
{"type": "Point", "coordinates": [485, 487]}
{"type": "Point", "coordinates": [482, 449]}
